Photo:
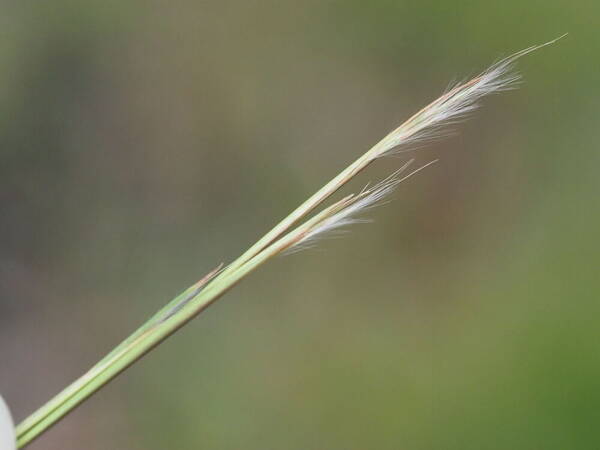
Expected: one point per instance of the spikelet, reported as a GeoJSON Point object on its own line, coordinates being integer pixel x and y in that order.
{"type": "Point", "coordinates": [456, 103]}
{"type": "Point", "coordinates": [352, 207]}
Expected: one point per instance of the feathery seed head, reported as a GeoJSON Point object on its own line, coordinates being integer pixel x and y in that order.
{"type": "Point", "coordinates": [454, 105]}
{"type": "Point", "coordinates": [352, 206]}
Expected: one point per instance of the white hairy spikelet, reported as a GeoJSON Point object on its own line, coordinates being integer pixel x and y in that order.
{"type": "Point", "coordinates": [455, 104]}
{"type": "Point", "coordinates": [368, 198]}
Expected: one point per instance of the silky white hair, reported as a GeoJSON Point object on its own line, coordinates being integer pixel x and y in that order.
{"type": "Point", "coordinates": [456, 103]}
{"type": "Point", "coordinates": [354, 206]}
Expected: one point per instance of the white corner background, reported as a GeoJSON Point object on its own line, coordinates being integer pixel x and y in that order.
{"type": "Point", "coordinates": [7, 429]}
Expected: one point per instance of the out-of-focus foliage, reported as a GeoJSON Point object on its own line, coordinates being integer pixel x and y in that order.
{"type": "Point", "coordinates": [142, 143]}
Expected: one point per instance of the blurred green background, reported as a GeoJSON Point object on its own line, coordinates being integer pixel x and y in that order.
{"type": "Point", "coordinates": [142, 143]}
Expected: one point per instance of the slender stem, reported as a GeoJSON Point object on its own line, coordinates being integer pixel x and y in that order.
{"type": "Point", "coordinates": [76, 388]}
{"type": "Point", "coordinates": [161, 326]}
{"type": "Point", "coordinates": [309, 205]}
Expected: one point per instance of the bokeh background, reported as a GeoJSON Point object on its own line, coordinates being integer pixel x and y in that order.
{"type": "Point", "coordinates": [142, 143]}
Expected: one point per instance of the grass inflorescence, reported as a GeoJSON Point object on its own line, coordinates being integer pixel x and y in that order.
{"type": "Point", "coordinates": [290, 235]}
